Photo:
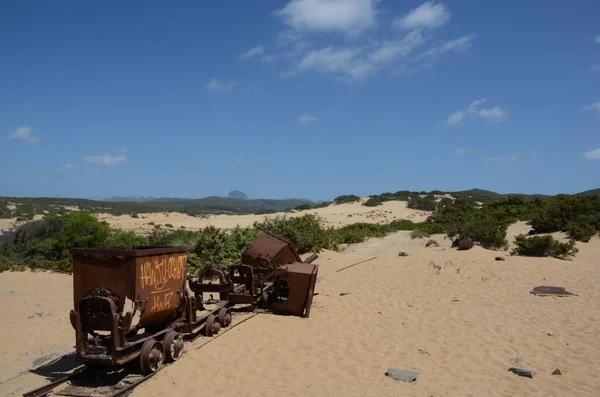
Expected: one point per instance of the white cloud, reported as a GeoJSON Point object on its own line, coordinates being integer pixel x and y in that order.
{"type": "Point", "coordinates": [593, 106]}
{"type": "Point", "coordinates": [220, 86]}
{"type": "Point", "coordinates": [460, 151]}
{"type": "Point", "coordinates": [120, 151]}
{"type": "Point", "coordinates": [70, 166]}
{"type": "Point", "coordinates": [107, 160]}
{"type": "Point", "coordinates": [594, 68]}
{"type": "Point", "coordinates": [598, 39]}
{"type": "Point", "coordinates": [391, 50]}
{"type": "Point", "coordinates": [457, 45]}
{"type": "Point", "coordinates": [350, 17]}
{"type": "Point", "coordinates": [23, 134]}
{"type": "Point", "coordinates": [455, 118]}
{"type": "Point", "coordinates": [327, 59]}
{"type": "Point", "coordinates": [427, 15]}
{"type": "Point", "coordinates": [307, 118]}
{"type": "Point", "coordinates": [258, 50]}
{"type": "Point", "coordinates": [366, 55]}
{"type": "Point", "coordinates": [354, 63]}
{"type": "Point", "coordinates": [592, 155]}
{"type": "Point", "coordinates": [268, 59]}
{"type": "Point", "coordinates": [512, 157]}
{"type": "Point", "coordinates": [495, 113]}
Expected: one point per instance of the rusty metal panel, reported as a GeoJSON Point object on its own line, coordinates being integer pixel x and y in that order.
{"type": "Point", "coordinates": [160, 279]}
{"type": "Point", "coordinates": [269, 251]}
{"type": "Point", "coordinates": [299, 281]}
{"type": "Point", "coordinates": [110, 273]}
{"type": "Point", "coordinates": [150, 276]}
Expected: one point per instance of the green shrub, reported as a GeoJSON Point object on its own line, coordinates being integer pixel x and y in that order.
{"type": "Point", "coordinates": [347, 198]}
{"type": "Point", "coordinates": [120, 238]}
{"type": "Point", "coordinates": [323, 204]}
{"type": "Point", "coordinates": [303, 207]}
{"type": "Point", "coordinates": [169, 225]}
{"type": "Point", "coordinates": [135, 215]}
{"type": "Point", "coordinates": [358, 232]}
{"type": "Point", "coordinates": [560, 212]}
{"type": "Point", "coordinates": [582, 228]}
{"type": "Point", "coordinates": [480, 227]}
{"type": "Point", "coordinates": [541, 246]}
{"type": "Point", "coordinates": [426, 203]}
{"type": "Point", "coordinates": [151, 223]}
{"type": "Point", "coordinates": [404, 224]}
{"type": "Point", "coordinates": [373, 202]}
{"type": "Point", "coordinates": [157, 227]}
{"type": "Point", "coordinates": [305, 232]}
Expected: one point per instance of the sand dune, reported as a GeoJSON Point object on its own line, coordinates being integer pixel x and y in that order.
{"type": "Point", "coordinates": [456, 317]}
{"type": "Point", "coordinates": [334, 215]}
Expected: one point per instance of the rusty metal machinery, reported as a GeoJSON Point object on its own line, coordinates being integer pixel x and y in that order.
{"type": "Point", "coordinates": [137, 302]}
{"type": "Point", "coordinates": [153, 281]}
{"type": "Point", "coordinates": [271, 274]}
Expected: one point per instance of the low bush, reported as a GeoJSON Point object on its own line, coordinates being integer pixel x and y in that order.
{"type": "Point", "coordinates": [169, 225]}
{"type": "Point", "coordinates": [541, 246]}
{"type": "Point", "coordinates": [373, 202]}
{"type": "Point", "coordinates": [404, 224]}
{"type": "Point", "coordinates": [480, 227]}
{"type": "Point", "coordinates": [357, 233]}
{"type": "Point", "coordinates": [582, 228]}
{"type": "Point", "coordinates": [426, 203]}
{"type": "Point", "coordinates": [323, 204]}
{"type": "Point", "coordinates": [303, 207]}
{"type": "Point", "coordinates": [346, 198]}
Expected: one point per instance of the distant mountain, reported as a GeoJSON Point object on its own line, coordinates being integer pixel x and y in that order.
{"type": "Point", "coordinates": [238, 194]}
{"type": "Point", "coordinates": [130, 199]}
{"type": "Point", "coordinates": [593, 192]}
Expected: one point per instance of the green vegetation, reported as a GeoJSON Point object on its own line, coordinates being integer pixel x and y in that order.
{"type": "Point", "coordinates": [542, 246]}
{"type": "Point", "coordinates": [347, 198]}
{"type": "Point", "coordinates": [303, 207]}
{"type": "Point", "coordinates": [27, 207]}
{"type": "Point", "coordinates": [45, 244]}
{"type": "Point", "coordinates": [373, 202]}
{"type": "Point", "coordinates": [426, 203]}
{"type": "Point", "coordinates": [405, 224]}
{"type": "Point", "coordinates": [169, 225]}
{"type": "Point", "coordinates": [577, 215]}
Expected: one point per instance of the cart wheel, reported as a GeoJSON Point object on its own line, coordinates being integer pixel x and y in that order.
{"type": "Point", "coordinates": [210, 327]}
{"type": "Point", "coordinates": [173, 345]}
{"type": "Point", "coordinates": [151, 356]}
{"type": "Point", "coordinates": [227, 320]}
{"type": "Point", "coordinates": [223, 317]}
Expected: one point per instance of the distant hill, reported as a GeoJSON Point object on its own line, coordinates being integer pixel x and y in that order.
{"type": "Point", "coordinates": [238, 194]}
{"type": "Point", "coordinates": [26, 207]}
{"type": "Point", "coordinates": [593, 192]}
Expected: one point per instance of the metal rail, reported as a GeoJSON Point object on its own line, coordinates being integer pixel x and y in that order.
{"type": "Point", "coordinates": [48, 388]}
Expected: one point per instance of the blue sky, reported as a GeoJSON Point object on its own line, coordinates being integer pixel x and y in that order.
{"type": "Point", "coordinates": [301, 98]}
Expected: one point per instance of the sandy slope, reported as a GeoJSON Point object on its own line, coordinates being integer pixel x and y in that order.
{"type": "Point", "coordinates": [457, 325]}
{"type": "Point", "coordinates": [334, 215]}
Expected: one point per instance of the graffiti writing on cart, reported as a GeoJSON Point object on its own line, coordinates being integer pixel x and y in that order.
{"type": "Point", "coordinates": [158, 274]}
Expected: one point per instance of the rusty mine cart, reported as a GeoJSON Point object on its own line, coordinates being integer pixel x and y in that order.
{"type": "Point", "coordinates": [271, 274]}
{"type": "Point", "coordinates": [167, 303]}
